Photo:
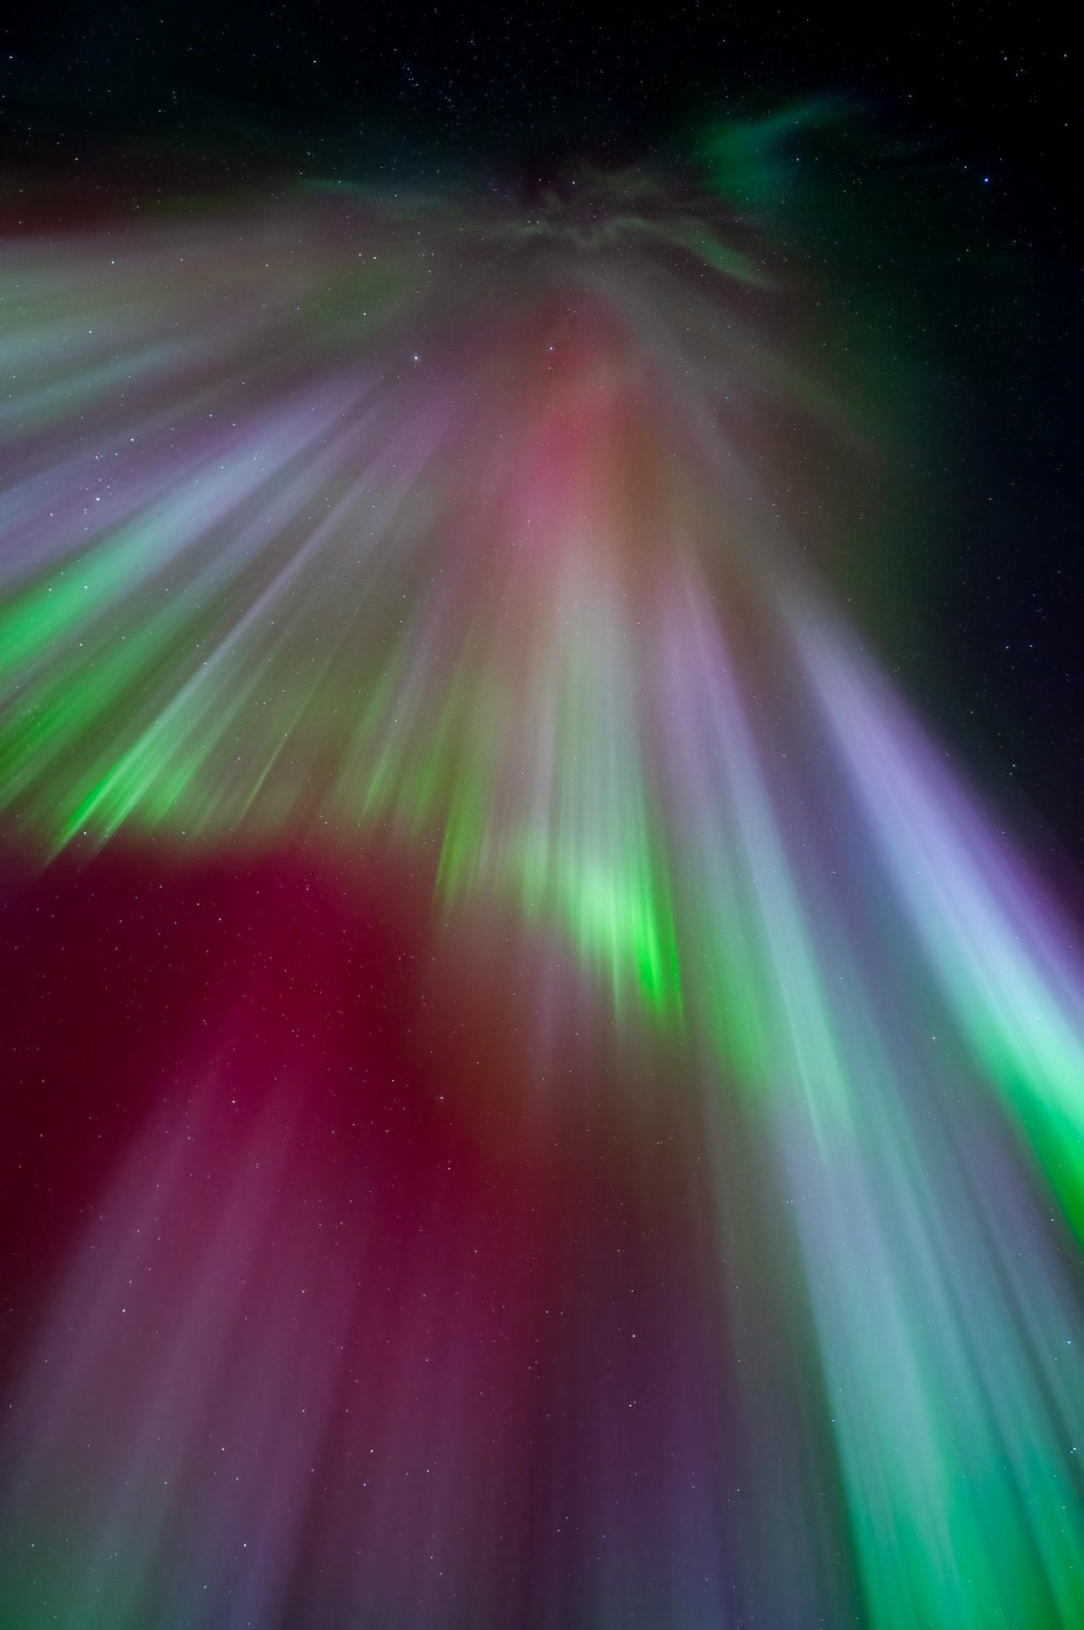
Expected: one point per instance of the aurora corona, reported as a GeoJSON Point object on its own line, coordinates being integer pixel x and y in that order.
{"type": "Point", "coordinates": [421, 531]}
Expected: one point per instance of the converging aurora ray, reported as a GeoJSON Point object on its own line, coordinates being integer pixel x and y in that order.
{"type": "Point", "coordinates": [349, 527]}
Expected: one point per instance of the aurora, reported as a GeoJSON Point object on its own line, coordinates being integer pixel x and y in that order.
{"type": "Point", "coordinates": [731, 1271]}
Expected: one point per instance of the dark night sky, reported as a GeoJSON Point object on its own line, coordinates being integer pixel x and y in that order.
{"type": "Point", "coordinates": [982, 219]}
{"type": "Point", "coordinates": [514, 75]}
